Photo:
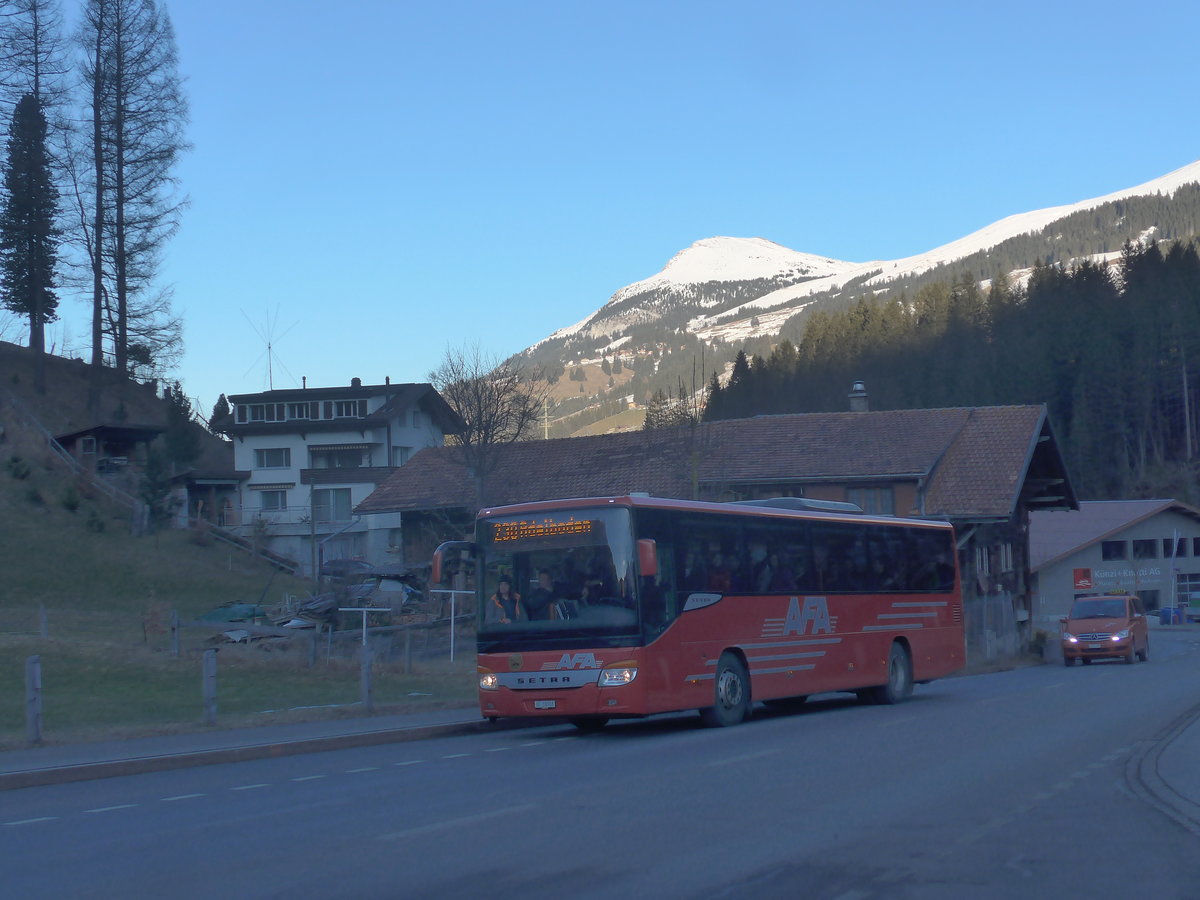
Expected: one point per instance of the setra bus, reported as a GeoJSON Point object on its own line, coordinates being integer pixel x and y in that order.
{"type": "Point", "coordinates": [620, 607]}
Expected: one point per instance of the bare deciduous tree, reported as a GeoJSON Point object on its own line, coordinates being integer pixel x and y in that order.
{"type": "Point", "coordinates": [138, 113]}
{"type": "Point", "coordinates": [498, 402]}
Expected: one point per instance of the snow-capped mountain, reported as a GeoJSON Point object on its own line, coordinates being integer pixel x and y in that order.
{"type": "Point", "coordinates": [726, 290]}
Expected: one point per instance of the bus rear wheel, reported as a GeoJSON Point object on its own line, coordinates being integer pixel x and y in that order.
{"type": "Point", "coordinates": [732, 694]}
{"type": "Point", "coordinates": [899, 674]}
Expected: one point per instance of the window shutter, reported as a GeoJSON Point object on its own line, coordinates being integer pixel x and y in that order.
{"type": "Point", "coordinates": [362, 408]}
{"type": "Point", "coordinates": [314, 410]}
{"type": "Point", "coordinates": [329, 409]}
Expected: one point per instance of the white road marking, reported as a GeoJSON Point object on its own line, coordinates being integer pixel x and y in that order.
{"type": "Point", "coordinates": [451, 824]}
{"type": "Point", "coordinates": [101, 809]}
{"type": "Point", "coordinates": [363, 769]}
{"type": "Point", "coordinates": [248, 787]}
{"type": "Point", "coordinates": [496, 749]}
{"type": "Point", "coordinates": [31, 821]}
{"type": "Point", "coordinates": [455, 755]}
{"type": "Point", "coordinates": [308, 777]}
{"type": "Point", "coordinates": [181, 797]}
{"type": "Point", "coordinates": [533, 743]}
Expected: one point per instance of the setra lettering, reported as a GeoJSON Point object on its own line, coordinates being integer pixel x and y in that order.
{"type": "Point", "coordinates": [814, 613]}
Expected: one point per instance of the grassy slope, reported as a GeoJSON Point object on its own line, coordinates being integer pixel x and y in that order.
{"type": "Point", "coordinates": [107, 669]}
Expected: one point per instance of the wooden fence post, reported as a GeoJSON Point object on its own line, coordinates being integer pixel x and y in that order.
{"type": "Point", "coordinates": [209, 678]}
{"type": "Point", "coordinates": [175, 634]}
{"type": "Point", "coordinates": [33, 699]}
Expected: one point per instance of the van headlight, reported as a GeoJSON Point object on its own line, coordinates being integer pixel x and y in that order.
{"type": "Point", "coordinates": [1070, 638]}
{"type": "Point", "coordinates": [1121, 635]}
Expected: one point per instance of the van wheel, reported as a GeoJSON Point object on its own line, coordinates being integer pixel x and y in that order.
{"type": "Point", "coordinates": [1145, 654]}
{"type": "Point", "coordinates": [899, 684]}
{"type": "Point", "coordinates": [1132, 656]}
{"type": "Point", "coordinates": [1068, 661]}
{"type": "Point", "coordinates": [732, 694]}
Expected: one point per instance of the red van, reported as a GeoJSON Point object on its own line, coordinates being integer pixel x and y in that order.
{"type": "Point", "coordinates": [1108, 627]}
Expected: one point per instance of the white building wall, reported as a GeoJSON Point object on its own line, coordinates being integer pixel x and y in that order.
{"type": "Point", "coordinates": [290, 531]}
{"type": "Point", "coordinates": [1087, 572]}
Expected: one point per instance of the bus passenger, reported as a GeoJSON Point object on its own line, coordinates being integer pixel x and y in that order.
{"type": "Point", "coordinates": [504, 606]}
{"type": "Point", "coordinates": [540, 603]}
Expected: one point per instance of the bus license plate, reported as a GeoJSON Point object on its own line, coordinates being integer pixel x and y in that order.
{"type": "Point", "coordinates": [544, 704]}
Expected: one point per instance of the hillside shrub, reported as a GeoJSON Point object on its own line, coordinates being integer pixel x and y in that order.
{"type": "Point", "coordinates": [95, 523]}
{"type": "Point", "coordinates": [34, 496]}
{"type": "Point", "coordinates": [70, 499]}
{"type": "Point", "coordinates": [18, 468]}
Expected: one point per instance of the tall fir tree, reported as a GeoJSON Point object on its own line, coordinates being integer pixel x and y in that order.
{"type": "Point", "coordinates": [29, 237]}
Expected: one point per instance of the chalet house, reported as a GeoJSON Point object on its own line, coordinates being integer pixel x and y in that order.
{"type": "Point", "coordinates": [985, 469]}
{"type": "Point", "coordinates": [311, 455]}
{"type": "Point", "coordinates": [1146, 547]}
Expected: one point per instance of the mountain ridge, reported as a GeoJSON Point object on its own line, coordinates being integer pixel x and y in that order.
{"type": "Point", "coordinates": [722, 290]}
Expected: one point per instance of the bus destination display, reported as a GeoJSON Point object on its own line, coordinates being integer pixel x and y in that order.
{"type": "Point", "coordinates": [540, 530]}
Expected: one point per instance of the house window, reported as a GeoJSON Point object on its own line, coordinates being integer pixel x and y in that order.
{"type": "Point", "coordinates": [273, 458]}
{"type": "Point", "coordinates": [1145, 549]}
{"type": "Point", "coordinates": [400, 455]}
{"type": "Point", "coordinates": [1114, 550]}
{"type": "Point", "coordinates": [345, 409]}
{"type": "Point", "coordinates": [1187, 588]}
{"type": "Point", "coordinates": [879, 501]}
{"type": "Point", "coordinates": [331, 505]}
{"type": "Point", "coordinates": [272, 500]}
{"type": "Point", "coordinates": [1180, 547]}
{"type": "Point", "coordinates": [87, 445]}
{"type": "Point", "coordinates": [983, 560]}
{"type": "Point", "coordinates": [298, 411]}
{"type": "Point", "coordinates": [1006, 558]}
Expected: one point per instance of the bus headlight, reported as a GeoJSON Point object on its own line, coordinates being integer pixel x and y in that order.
{"type": "Point", "coordinates": [619, 674]}
{"type": "Point", "coordinates": [488, 681]}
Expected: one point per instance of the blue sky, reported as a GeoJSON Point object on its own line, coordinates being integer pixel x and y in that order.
{"type": "Point", "coordinates": [372, 182]}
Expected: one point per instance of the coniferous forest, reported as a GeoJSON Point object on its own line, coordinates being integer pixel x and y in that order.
{"type": "Point", "coordinates": [1114, 353]}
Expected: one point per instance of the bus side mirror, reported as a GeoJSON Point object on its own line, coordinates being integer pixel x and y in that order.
{"type": "Point", "coordinates": [647, 553]}
{"type": "Point", "coordinates": [443, 554]}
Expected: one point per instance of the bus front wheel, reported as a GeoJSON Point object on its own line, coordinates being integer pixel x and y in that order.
{"type": "Point", "coordinates": [899, 674]}
{"type": "Point", "coordinates": [731, 696]}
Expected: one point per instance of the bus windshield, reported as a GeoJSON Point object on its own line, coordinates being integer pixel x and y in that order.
{"type": "Point", "coordinates": [558, 574]}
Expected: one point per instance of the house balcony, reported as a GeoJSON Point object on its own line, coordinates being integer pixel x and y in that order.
{"type": "Point", "coordinates": [361, 475]}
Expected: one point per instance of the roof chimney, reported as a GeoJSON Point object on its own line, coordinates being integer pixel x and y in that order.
{"type": "Point", "coordinates": [387, 379]}
{"type": "Point", "coordinates": [356, 382]}
{"type": "Point", "coordinates": [858, 397]}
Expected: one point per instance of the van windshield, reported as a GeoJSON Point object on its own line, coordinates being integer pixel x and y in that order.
{"type": "Point", "coordinates": [1099, 608]}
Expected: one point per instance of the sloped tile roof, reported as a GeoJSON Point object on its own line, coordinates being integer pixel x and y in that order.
{"type": "Point", "coordinates": [973, 460]}
{"type": "Point", "coordinates": [1059, 533]}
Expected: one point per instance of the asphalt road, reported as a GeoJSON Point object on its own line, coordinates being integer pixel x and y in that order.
{"type": "Point", "coordinates": [1018, 784]}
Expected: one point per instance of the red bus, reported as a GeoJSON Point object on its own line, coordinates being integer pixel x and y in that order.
{"type": "Point", "coordinates": [619, 607]}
